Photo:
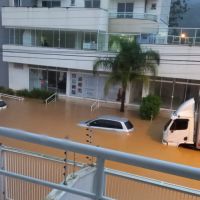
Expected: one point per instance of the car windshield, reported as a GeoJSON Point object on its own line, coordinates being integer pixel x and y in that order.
{"type": "Point", "coordinates": [128, 125]}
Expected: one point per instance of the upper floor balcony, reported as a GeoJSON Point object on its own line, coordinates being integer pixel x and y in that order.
{"type": "Point", "coordinates": [51, 18]}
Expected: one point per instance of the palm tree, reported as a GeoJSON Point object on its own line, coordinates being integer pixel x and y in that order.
{"type": "Point", "coordinates": [129, 64]}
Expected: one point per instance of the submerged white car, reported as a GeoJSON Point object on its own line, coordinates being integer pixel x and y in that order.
{"type": "Point", "coordinates": [3, 105]}
{"type": "Point", "coordinates": [109, 122]}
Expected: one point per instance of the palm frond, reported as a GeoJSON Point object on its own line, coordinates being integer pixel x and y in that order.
{"type": "Point", "coordinates": [104, 64]}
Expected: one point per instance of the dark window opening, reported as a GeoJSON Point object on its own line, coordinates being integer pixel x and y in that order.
{"type": "Point", "coordinates": [92, 3]}
{"type": "Point", "coordinates": [125, 10]}
{"type": "Point", "coordinates": [153, 6]}
{"type": "Point", "coordinates": [50, 4]}
{"type": "Point", "coordinates": [179, 124]}
{"type": "Point", "coordinates": [106, 124]}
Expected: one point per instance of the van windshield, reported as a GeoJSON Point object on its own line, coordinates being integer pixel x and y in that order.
{"type": "Point", "coordinates": [167, 124]}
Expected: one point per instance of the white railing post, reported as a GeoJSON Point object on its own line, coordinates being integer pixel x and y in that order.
{"type": "Point", "coordinates": [2, 178]}
{"type": "Point", "coordinates": [99, 179]}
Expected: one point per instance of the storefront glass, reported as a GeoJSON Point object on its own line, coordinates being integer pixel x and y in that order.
{"type": "Point", "coordinates": [136, 92]}
{"type": "Point", "coordinates": [48, 80]}
{"type": "Point", "coordinates": [90, 86]}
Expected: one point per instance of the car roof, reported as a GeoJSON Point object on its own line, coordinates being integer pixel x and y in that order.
{"type": "Point", "coordinates": [112, 117]}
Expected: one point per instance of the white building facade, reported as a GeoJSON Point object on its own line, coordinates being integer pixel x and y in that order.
{"type": "Point", "coordinates": [53, 45]}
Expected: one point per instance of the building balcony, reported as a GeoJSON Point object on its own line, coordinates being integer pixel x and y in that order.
{"type": "Point", "coordinates": [55, 18]}
{"type": "Point", "coordinates": [51, 57]}
{"type": "Point", "coordinates": [130, 22]}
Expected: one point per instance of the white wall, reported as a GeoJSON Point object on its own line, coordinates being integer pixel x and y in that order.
{"type": "Point", "coordinates": [64, 58]}
{"type": "Point", "coordinates": [71, 18]}
{"type": "Point", "coordinates": [178, 61]}
{"type": "Point", "coordinates": [18, 76]}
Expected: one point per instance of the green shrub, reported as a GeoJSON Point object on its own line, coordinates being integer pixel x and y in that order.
{"type": "Point", "coordinates": [40, 94]}
{"type": "Point", "coordinates": [23, 93]}
{"type": "Point", "coordinates": [2, 89]}
{"type": "Point", "coordinates": [150, 107]}
{"type": "Point", "coordinates": [7, 91]}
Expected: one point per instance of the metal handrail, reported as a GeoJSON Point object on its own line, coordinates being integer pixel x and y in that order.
{"type": "Point", "coordinates": [11, 96]}
{"type": "Point", "coordinates": [95, 105]}
{"type": "Point", "coordinates": [107, 154]}
{"type": "Point", "coordinates": [132, 15]}
{"type": "Point", "coordinates": [53, 100]}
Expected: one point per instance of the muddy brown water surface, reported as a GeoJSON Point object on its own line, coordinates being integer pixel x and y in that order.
{"type": "Point", "coordinates": [60, 120]}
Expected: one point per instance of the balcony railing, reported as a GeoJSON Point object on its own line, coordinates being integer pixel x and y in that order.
{"type": "Point", "coordinates": [99, 41]}
{"type": "Point", "coordinates": [24, 170]}
{"type": "Point", "coordinates": [132, 15]}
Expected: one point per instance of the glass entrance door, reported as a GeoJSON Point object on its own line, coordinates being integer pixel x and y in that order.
{"type": "Point", "coordinates": [52, 82]}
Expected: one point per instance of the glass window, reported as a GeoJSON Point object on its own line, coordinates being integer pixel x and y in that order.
{"type": "Point", "coordinates": [129, 10]}
{"type": "Point", "coordinates": [98, 123]}
{"type": "Point", "coordinates": [128, 125]}
{"type": "Point", "coordinates": [179, 94]}
{"type": "Point", "coordinates": [55, 3]}
{"type": "Point", "coordinates": [106, 124]}
{"type": "Point", "coordinates": [88, 4]}
{"type": "Point", "coordinates": [125, 10]}
{"type": "Point", "coordinates": [72, 2]}
{"type": "Point", "coordinates": [62, 39]}
{"type": "Point", "coordinates": [70, 39]}
{"type": "Point", "coordinates": [136, 92]}
{"type": "Point", "coordinates": [56, 39]}
{"type": "Point", "coordinates": [92, 3]}
{"type": "Point", "coordinates": [50, 4]}
{"type": "Point", "coordinates": [153, 6]}
{"type": "Point", "coordinates": [179, 124]}
{"type": "Point", "coordinates": [113, 124]}
{"type": "Point", "coordinates": [96, 3]}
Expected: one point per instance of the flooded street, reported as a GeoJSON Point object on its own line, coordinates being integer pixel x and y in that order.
{"type": "Point", "coordinates": [60, 120]}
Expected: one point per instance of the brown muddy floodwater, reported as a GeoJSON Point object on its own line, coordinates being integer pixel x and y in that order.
{"type": "Point", "coordinates": [60, 120]}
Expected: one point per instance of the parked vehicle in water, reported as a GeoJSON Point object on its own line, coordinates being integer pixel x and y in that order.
{"type": "Point", "coordinates": [183, 128]}
{"type": "Point", "coordinates": [109, 122]}
{"type": "Point", "coordinates": [3, 105]}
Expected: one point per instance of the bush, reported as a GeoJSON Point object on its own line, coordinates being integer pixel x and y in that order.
{"type": "Point", "coordinates": [35, 93]}
{"type": "Point", "coordinates": [150, 107]}
{"type": "Point", "coordinates": [2, 89]}
{"type": "Point", "coordinates": [40, 94]}
{"type": "Point", "coordinates": [7, 91]}
{"type": "Point", "coordinates": [23, 93]}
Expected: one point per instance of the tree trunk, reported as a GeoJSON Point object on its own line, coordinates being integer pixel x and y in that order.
{"type": "Point", "coordinates": [123, 99]}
